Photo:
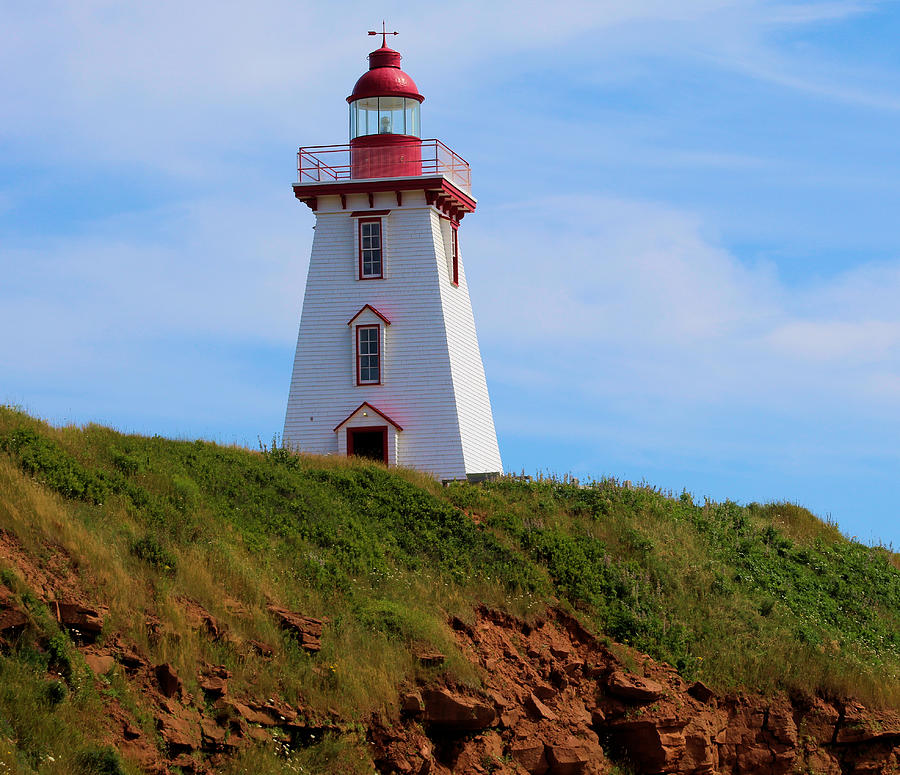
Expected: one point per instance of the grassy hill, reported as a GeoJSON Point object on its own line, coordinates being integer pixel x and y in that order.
{"type": "Point", "coordinates": [151, 530]}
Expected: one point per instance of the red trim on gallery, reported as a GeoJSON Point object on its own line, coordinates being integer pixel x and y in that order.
{"type": "Point", "coordinates": [374, 409]}
{"type": "Point", "coordinates": [436, 186]}
{"type": "Point", "coordinates": [369, 307]}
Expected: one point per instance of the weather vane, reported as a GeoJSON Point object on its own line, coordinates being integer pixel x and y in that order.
{"type": "Point", "coordinates": [384, 33]}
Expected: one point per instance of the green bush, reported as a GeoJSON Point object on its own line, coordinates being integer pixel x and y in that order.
{"type": "Point", "coordinates": [150, 550]}
{"type": "Point", "coordinates": [99, 761]}
{"type": "Point", "coordinates": [50, 464]}
{"type": "Point", "coordinates": [55, 692]}
{"type": "Point", "coordinates": [128, 463]}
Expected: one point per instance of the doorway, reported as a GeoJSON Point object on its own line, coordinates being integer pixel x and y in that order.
{"type": "Point", "coordinates": [368, 442]}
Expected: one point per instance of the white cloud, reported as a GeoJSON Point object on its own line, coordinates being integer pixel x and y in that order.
{"type": "Point", "coordinates": [628, 301]}
{"type": "Point", "coordinates": [224, 270]}
{"type": "Point", "coordinates": [844, 342]}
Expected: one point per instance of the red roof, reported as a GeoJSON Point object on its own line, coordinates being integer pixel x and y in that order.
{"type": "Point", "coordinates": [374, 409]}
{"type": "Point", "coordinates": [385, 78]}
{"type": "Point", "coordinates": [369, 307]}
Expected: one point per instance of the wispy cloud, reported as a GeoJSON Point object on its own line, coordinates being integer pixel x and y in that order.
{"type": "Point", "coordinates": [656, 303]}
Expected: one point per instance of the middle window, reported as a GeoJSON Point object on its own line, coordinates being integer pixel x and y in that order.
{"type": "Point", "coordinates": [368, 355]}
{"type": "Point", "coordinates": [371, 262]}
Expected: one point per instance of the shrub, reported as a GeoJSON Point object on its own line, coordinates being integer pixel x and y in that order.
{"type": "Point", "coordinates": [151, 551]}
{"type": "Point", "coordinates": [99, 761]}
{"type": "Point", "coordinates": [55, 692]}
{"type": "Point", "coordinates": [128, 464]}
{"type": "Point", "coordinates": [49, 463]}
{"type": "Point", "coordinates": [59, 651]}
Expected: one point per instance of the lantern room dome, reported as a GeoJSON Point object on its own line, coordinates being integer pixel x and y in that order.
{"type": "Point", "coordinates": [385, 78]}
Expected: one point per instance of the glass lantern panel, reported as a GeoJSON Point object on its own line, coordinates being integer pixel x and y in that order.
{"type": "Point", "coordinates": [363, 117]}
{"type": "Point", "coordinates": [372, 116]}
{"type": "Point", "coordinates": [411, 119]}
{"type": "Point", "coordinates": [390, 116]}
{"type": "Point", "coordinates": [384, 115]}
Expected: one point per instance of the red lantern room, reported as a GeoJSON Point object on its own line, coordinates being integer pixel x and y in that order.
{"type": "Point", "coordinates": [385, 127]}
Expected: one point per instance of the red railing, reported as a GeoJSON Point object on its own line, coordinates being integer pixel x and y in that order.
{"type": "Point", "coordinates": [329, 163]}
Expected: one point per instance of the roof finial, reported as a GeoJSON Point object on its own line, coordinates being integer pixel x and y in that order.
{"type": "Point", "coordinates": [384, 34]}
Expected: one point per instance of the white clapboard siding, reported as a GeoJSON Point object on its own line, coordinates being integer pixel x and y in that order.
{"type": "Point", "coordinates": [433, 382]}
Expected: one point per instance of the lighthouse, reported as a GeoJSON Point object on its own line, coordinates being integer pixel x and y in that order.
{"type": "Point", "coordinates": [387, 364]}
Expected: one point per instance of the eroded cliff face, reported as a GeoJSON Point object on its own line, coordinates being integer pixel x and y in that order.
{"type": "Point", "coordinates": [555, 701]}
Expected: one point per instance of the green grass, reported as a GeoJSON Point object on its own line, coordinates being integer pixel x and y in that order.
{"type": "Point", "coordinates": [761, 596]}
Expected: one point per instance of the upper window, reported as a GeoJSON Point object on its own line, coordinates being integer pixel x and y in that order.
{"type": "Point", "coordinates": [454, 247]}
{"type": "Point", "coordinates": [368, 355]}
{"type": "Point", "coordinates": [371, 263]}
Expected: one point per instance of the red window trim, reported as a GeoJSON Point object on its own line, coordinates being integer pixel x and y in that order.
{"type": "Point", "coordinates": [454, 242]}
{"type": "Point", "coordinates": [373, 310]}
{"type": "Point", "coordinates": [384, 436]}
{"type": "Point", "coordinates": [358, 356]}
{"type": "Point", "coordinates": [374, 409]}
{"type": "Point", "coordinates": [359, 226]}
{"type": "Point", "coordinates": [368, 213]}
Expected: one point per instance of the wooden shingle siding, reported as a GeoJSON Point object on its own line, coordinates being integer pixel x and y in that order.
{"type": "Point", "coordinates": [433, 379]}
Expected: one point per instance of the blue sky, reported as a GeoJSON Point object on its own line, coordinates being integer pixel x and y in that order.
{"type": "Point", "coordinates": [685, 264]}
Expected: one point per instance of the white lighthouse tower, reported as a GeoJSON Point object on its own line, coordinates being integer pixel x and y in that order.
{"type": "Point", "coordinates": [387, 363]}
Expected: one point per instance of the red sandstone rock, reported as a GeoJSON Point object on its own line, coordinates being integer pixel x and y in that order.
{"type": "Point", "coordinates": [448, 709]}
{"type": "Point", "coordinates": [430, 658]}
{"type": "Point", "coordinates": [12, 619]}
{"type": "Point", "coordinates": [633, 688]}
{"type": "Point", "coordinates": [131, 660]}
{"type": "Point", "coordinates": [411, 703]}
{"type": "Point", "coordinates": [168, 680]}
{"type": "Point", "coordinates": [568, 759]}
{"type": "Point", "coordinates": [700, 691]}
{"type": "Point", "coordinates": [213, 736]}
{"type": "Point", "coordinates": [819, 722]}
{"type": "Point", "coordinates": [573, 667]}
{"type": "Point", "coordinates": [100, 664]}
{"type": "Point", "coordinates": [307, 629]}
{"type": "Point", "coordinates": [860, 725]}
{"type": "Point", "coordinates": [530, 755]}
{"type": "Point", "coordinates": [178, 733]}
{"type": "Point", "coordinates": [263, 649]}
{"type": "Point", "coordinates": [538, 710]}
{"type": "Point", "coordinates": [544, 692]}
{"type": "Point", "coordinates": [130, 731]}
{"type": "Point", "coordinates": [76, 617]}
{"type": "Point", "coordinates": [654, 745]}
{"type": "Point", "coordinates": [214, 686]}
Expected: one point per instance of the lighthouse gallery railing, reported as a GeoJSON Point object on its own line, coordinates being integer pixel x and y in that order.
{"type": "Point", "coordinates": [329, 163]}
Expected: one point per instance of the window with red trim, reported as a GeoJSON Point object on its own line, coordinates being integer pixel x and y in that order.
{"type": "Point", "coordinates": [368, 355]}
{"type": "Point", "coordinates": [454, 247]}
{"type": "Point", "coordinates": [371, 256]}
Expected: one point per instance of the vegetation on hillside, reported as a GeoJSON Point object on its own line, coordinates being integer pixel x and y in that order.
{"type": "Point", "coordinates": [758, 596]}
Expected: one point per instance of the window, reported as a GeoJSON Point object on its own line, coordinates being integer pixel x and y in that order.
{"type": "Point", "coordinates": [385, 115]}
{"type": "Point", "coordinates": [370, 255]}
{"type": "Point", "coordinates": [454, 247]}
{"type": "Point", "coordinates": [368, 355]}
